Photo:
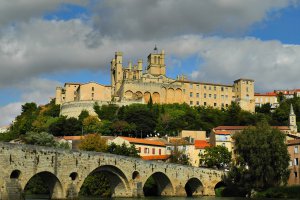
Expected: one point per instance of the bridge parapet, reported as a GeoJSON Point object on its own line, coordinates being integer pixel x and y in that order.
{"type": "Point", "coordinates": [66, 170]}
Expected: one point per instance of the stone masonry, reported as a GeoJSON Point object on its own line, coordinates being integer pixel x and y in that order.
{"type": "Point", "coordinates": [65, 171]}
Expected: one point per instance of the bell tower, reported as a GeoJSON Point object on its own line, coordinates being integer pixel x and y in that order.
{"type": "Point", "coordinates": [292, 120]}
{"type": "Point", "coordinates": [156, 63]}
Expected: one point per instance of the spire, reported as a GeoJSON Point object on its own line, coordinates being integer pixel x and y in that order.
{"type": "Point", "coordinates": [155, 49]}
{"type": "Point", "coordinates": [292, 110]}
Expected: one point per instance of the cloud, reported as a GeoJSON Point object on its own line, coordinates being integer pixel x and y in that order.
{"type": "Point", "coordinates": [9, 112]}
{"type": "Point", "coordinates": [162, 19]}
{"type": "Point", "coordinates": [13, 11]}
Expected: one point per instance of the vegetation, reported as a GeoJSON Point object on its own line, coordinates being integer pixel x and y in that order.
{"type": "Point", "coordinates": [262, 159]}
{"type": "Point", "coordinates": [179, 157]}
{"type": "Point", "coordinates": [123, 150]}
{"type": "Point", "coordinates": [93, 142]}
{"type": "Point", "coordinates": [96, 184]}
{"type": "Point", "coordinates": [280, 192]}
{"type": "Point", "coordinates": [217, 156]}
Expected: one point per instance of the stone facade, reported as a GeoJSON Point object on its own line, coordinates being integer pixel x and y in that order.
{"type": "Point", "coordinates": [132, 84]}
{"type": "Point", "coordinates": [65, 172]}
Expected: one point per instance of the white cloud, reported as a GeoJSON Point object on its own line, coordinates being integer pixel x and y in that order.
{"type": "Point", "coordinates": [162, 19]}
{"type": "Point", "coordinates": [12, 11]}
{"type": "Point", "coordinates": [9, 112]}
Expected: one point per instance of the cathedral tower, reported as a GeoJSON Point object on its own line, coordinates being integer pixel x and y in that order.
{"type": "Point", "coordinates": [156, 63]}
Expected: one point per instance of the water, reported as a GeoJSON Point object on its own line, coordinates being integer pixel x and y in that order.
{"type": "Point", "coordinates": [41, 197]}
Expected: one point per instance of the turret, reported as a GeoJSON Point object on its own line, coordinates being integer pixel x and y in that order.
{"type": "Point", "coordinates": [244, 94]}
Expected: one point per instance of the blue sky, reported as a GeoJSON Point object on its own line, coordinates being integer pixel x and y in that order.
{"type": "Point", "coordinates": [44, 44]}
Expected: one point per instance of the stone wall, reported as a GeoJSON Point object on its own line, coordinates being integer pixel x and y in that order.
{"type": "Point", "coordinates": [66, 170]}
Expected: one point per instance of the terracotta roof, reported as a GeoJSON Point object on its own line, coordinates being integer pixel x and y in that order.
{"type": "Point", "coordinates": [243, 127]}
{"type": "Point", "coordinates": [143, 141]}
{"type": "Point", "coordinates": [269, 94]}
{"type": "Point", "coordinates": [155, 157]}
{"type": "Point", "coordinates": [73, 137]}
{"type": "Point", "coordinates": [201, 144]}
{"type": "Point", "coordinates": [222, 132]}
{"type": "Point", "coordinates": [291, 142]}
{"type": "Point", "coordinates": [204, 83]}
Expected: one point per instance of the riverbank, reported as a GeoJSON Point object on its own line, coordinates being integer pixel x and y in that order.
{"type": "Point", "coordinates": [280, 192]}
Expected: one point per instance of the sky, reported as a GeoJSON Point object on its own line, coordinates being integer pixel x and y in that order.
{"type": "Point", "coordinates": [44, 44]}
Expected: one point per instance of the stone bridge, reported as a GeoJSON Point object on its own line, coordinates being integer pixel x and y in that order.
{"type": "Point", "coordinates": [64, 171]}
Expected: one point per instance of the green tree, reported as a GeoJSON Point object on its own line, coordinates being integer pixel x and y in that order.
{"type": "Point", "coordinates": [123, 128]}
{"type": "Point", "coordinates": [123, 150]}
{"type": "Point", "coordinates": [91, 124]}
{"type": "Point", "coordinates": [217, 156]}
{"type": "Point", "coordinates": [83, 114]}
{"type": "Point", "coordinates": [106, 112]}
{"type": "Point", "coordinates": [179, 157]}
{"type": "Point", "coordinates": [96, 184]}
{"type": "Point", "coordinates": [93, 142]}
{"type": "Point", "coordinates": [262, 158]}
{"type": "Point", "coordinates": [105, 127]}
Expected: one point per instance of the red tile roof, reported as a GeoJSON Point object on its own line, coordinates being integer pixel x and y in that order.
{"type": "Point", "coordinates": [201, 144]}
{"type": "Point", "coordinates": [266, 94]}
{"type": "Point", "coordinates": [73, 137]}
{"type": "Point", "coordinates": [293, 142]}
{"type": "Point", "coordinates": [222, 132]}
{"type": "Point", "coordinates": [155, 157]}
{"type": "Point", "coordinates": [144, 141]}
{"type": "Point", "coordinates": [243, 127]}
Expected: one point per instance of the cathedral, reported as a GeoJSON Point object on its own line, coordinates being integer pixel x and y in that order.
{"type": "Point", "coordinates": [132, 84]}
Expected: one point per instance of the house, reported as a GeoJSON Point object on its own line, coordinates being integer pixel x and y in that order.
{"type": "Point", "coordinates": [148, 149]}
{"type": "Point", "coordinates": [293, 149]}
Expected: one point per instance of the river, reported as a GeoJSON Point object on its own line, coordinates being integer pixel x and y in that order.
{"type": "Point", "coordinates": [164, 198]}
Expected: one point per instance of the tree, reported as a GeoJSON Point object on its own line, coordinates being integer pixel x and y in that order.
{"type": "Point", "coordinates": [123, 150]}
{"type": "Point", "coordinates": [96, 184]}
{"type": "Point", "coordinates": [106, 112]}
{"type": "Point", "coordinates": [217, 156]}
{"type": "Point", "coordinates": [91, 124]}
{"type": "Point", "coordinates": [83, 114]}
{"type": "Point", "coordinates": [179, 157]}
{"type": "Point", "coordinates": [123, 128]}
{"type": "Point", "coordinates": [93, 142]}
{"type": "Point", "coordinates": [262, 158]}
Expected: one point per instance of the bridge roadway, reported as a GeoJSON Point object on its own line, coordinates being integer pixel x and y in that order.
{"type": "Point", "coordinates": [65, 171]}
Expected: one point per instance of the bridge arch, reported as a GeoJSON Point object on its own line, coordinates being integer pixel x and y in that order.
{"type": "Point", "coordinates": [219, 185]}
{"type": "Point", "coordinates": [15, 174]}
{"type": "Point", "coordinates": [118, 182]}
{"type": "Point", "coordinates": [54, 185]}
{"type": "Point", "coordinates": [194, 187]}
{"type": "Point", "coordinates": [162, 183]}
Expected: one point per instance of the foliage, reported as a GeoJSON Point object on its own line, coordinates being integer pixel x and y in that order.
{"type": "Point", "coordinates": [217, 156]}
{"type": "Point", "coordinates": [91, 124]}
{"type": "Point", "coordinates": [36, 185]}
{"type": "Point", "coordinates": [83, 114]}
{"type": "Point", "coordinates": [123, 128]}
{"type": "Point", "coordinates": [93, 142]}
{"type": "Point", "coordinates": [179, 157]}
{"type": "Point", "coordinates": [262, 158]}
{"type": "Point", "coordinates": [123, 150]}
{"type": "Point", "coordinates": [65, 126]}
{"type": "Point", "coordinates": [150, 187]}
{"type": "Point", "coordinates": [106, 112]}
{"type": "Point", "coordinates": [280, 192]}
{"type": "Point", "coordinates": [43, 139]}
{"type": "Point", "coordinates": [105, 128]}
{"type": "Point", "coordinates": [96, 184]}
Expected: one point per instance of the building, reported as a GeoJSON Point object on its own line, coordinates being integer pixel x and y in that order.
{"type": "Point", "coordinates": [289, 93]}
{"type": "Point", "coordinates": [132, 84]}
{"type": "Point", "coordinates": [293, 149]}
{"type": "Point", "coordinates": [148, 149]}
{"type": "Point", "coordinates": [4, 129]}
{"type": "Point", "coordinates": [269, 97]}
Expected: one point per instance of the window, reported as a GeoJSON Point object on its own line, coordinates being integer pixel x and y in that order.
{"type": "Point", "coordinates": [197, 103]}
{"type": "Point", "coordinates": [153, 151]}
{"type": "Point", "coordinates": [197, 86]}
{"type": "Point", "coordinates": [191, 85]}
{"type": "Point", "coordinates": [159, 151]}
{"type": "Point", "coordinates": [296, 161]}
{"type": "Point", "coordinates": [226, 105]}
{"type": "Point", "coordinates": [222, 105]}
{"type": "Point", "coordinates": [223, 144]}
{"type": "Point", "coordinates": [205, 103]}
{"type": "Point", "coordinates": [222, 96]}
{"type": "Point", "coordinates": [205, 87]}
{"type": "Point", "coordinates": [215, 88]}
{"type": "Point", "coordinates": [140, 149]}
{"type": "Point", "coordinates": [146, 150]}
{"type": "Point", "coordinates": [92, 94]}
{"type": "Point", "coordinates": [191, 94]}
{"type": "Point", "coordinates": [215, 104]}
{"type": "Point", "coordinates": [191, 102]}
{"type": "Point", "coordinates": [197, 95]}
{"type": "Point", "coordinates": [296, 149]}
{"type": "Point", "coordinates": [291, 163]}
{"type": "Point", "coordinates": [222, 89]}
{"type": "Point", "coordinates": [204, 95]}
{"type": "Point", "coordinates": [215, 96]}
{"type": "Point", "coordinates": [296, 174]}
{"type": "Point", "coordinates": [209, 95]}
{"type": "Point", "coordinates": [93, 89]}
